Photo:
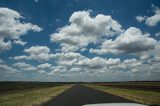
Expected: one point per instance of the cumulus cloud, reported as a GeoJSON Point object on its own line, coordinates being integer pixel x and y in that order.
{"type": "Point", "coordinates": [74, 65]}
{"type": "Point", "coordinates": [157, 34]}
{"type": "Point", "coordinates": [22, 71]}
{"type": "Point", "coordinates": [39, 69]}
{"type": "Point", "coordinates": [76, 60]}
{"type": "Point", "coordinates": [4, 67]}
{"type": "Point", "coordinates": [37, 49]}
{"type": "Point", "coordinates": [131, 41]}
{"type": "Point", "coordinates": [24, 66]}
{"type": "Point", "coordinates": [112, 61]}
{"type": "Point", "coordinates": [155, 59]}
{"type": "Point", "coordinates": [108, 69]}
{"type": "Point", "coordinates": [19, 42]}
{"type": "Point", "coordinates": [38, 53]}
{"type": "Point", "coordinates": [155, 19]}
{"type": "Point", "coordinates": [95, 63]}
{"type": "Point", "coordinates": [12, 27]}
{"type": "Point", "coordinates": [151, 20]}
{"type": "Point", "coordinates": [21, 65]}
{"type": "Point", "coordinates": [8, 73]}
{"type": "Point", "coordinates": [132, 62]}
{"type": "Point", "coordinates": [67, 59]}
{"type": "Point", "coordinates": [67, 56]}
{"type": "Point", "coordinates": [23, 57]}
{"type": "Point", "coordinates": [84, 29]}
{"type": "Point", "coordinates": [5, 45]}
{"type": "Point", "coordinates": [140, 18]}
{"type": "Point", "coordinates": [44, 66]}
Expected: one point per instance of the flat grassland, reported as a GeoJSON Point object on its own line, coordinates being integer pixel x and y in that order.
{"type": "Point", "coordinates": [29, 93]}
{"type": "Point", "coordinates": [142, 92]}
{"type": "Point", "coordinates": [140, 85]}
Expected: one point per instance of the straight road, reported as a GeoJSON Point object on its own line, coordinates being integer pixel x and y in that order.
{"type": "Point", "coordinates": [79, 95]}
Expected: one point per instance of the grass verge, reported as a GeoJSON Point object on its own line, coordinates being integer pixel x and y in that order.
{"type": "Point", "coordinates": [141, 96]}
{"type": "Point", "coordinates": [33, 97]}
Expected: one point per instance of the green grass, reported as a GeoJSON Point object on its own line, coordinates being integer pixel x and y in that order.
{"type": "Point", "coordinates": [144, 83]}
{"type": "Point", "coordinates": [31, 97]}
{"type": "Point", "coordinates": [141, 96]}
{"type": "Point", "coordinates": [14, 85]}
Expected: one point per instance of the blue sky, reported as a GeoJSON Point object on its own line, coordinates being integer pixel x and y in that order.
{"type": "Point", "coordinates": [79, 40]}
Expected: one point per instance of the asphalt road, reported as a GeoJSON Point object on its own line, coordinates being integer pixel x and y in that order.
{"type": "Point", "coordinates": [79, 95]}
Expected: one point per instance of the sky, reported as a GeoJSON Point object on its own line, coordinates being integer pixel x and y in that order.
{"type": "Point", "coordinates": [80, 40]}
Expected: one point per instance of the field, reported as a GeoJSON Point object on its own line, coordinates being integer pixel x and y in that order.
{"type": "Point", "coordinates": [150, 86]}
{"type": "Point", "coordinates": [142, 92]}
{"type": "Point", "coordinates": [37, 93]}
{"type": "Point", "coordinates": [11, 86]}
{"type": "Point", "coordinates": [29, 93]}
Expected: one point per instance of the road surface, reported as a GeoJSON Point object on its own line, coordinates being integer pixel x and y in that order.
{"type": "Point", "coordinates": [79, 95]}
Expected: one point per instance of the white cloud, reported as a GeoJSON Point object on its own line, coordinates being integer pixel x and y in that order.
{"type": "Point", "coordinates": [77, 66]}
{"type": "Point", "coordinates": [42, 53]}
{"type": "Point", "coordinates": [5, 45]}
{"type": "Point", "coordinates": [36, 28]}
{"type": "Point", "coordinates": [140, 18]}
{"type": "Point", "coordinates": [102, 69]}
{"type": "Point", "coordinates": [92, 69]}
{"type": "Point", "coordinates": [155, 59]}
{"type": "Point", "coordinates": [132, 62]}
{"type": "Point", "coordinates": [149, 54]}
{"type": "Point", "coordinates": [38, 53]}
{"type": "Point", "coordinates": [67, 56]}
{"type": "Point", "coordinates": [131, 41]}
{"type": "Point", "coordinates": [22, 65]}
{"type": "Point", "coordinates": [25, 67]}
{"type": "Point", "coordinates": [155, 19]}
{"type": "Point", "coordinates": [94, 63]}
{"type": "Point", "coordinates": [112, 61]}
{"type": "Point", "coordinates": [39, 69]}
{"type": "Point", "coordinates": [84, 29]}
{"type": "Point", "coordinates": [73, 60]}
{"type": "Point", "coordinates": [23, 57]}
{"type": "Point", "coordinates": [157, 34]}
{"type": "Point", "coordinates": [126, 65]}
{"type": "Point", "coordinates": [151, 20]}
{"type": "Point", "coordinates": [12, 28]}
{"type": "Point", "coordinates": [44, 66]}
{"type": "Point", "coordinates": [19, 42]}
{"type": "Point", "coordinates": [7, 72]}
{"type": "Point", "coordinates": [5, 67]}
{"type": "Point", "coordinates": [37, 49]}
{"type": "Point", "coordinates": [74, 65]}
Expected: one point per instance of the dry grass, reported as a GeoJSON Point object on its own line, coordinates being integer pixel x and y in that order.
{"type": "Point", "coordinates": [33, 97]}
{"type": "Point", "coordinates": [141, 96]}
